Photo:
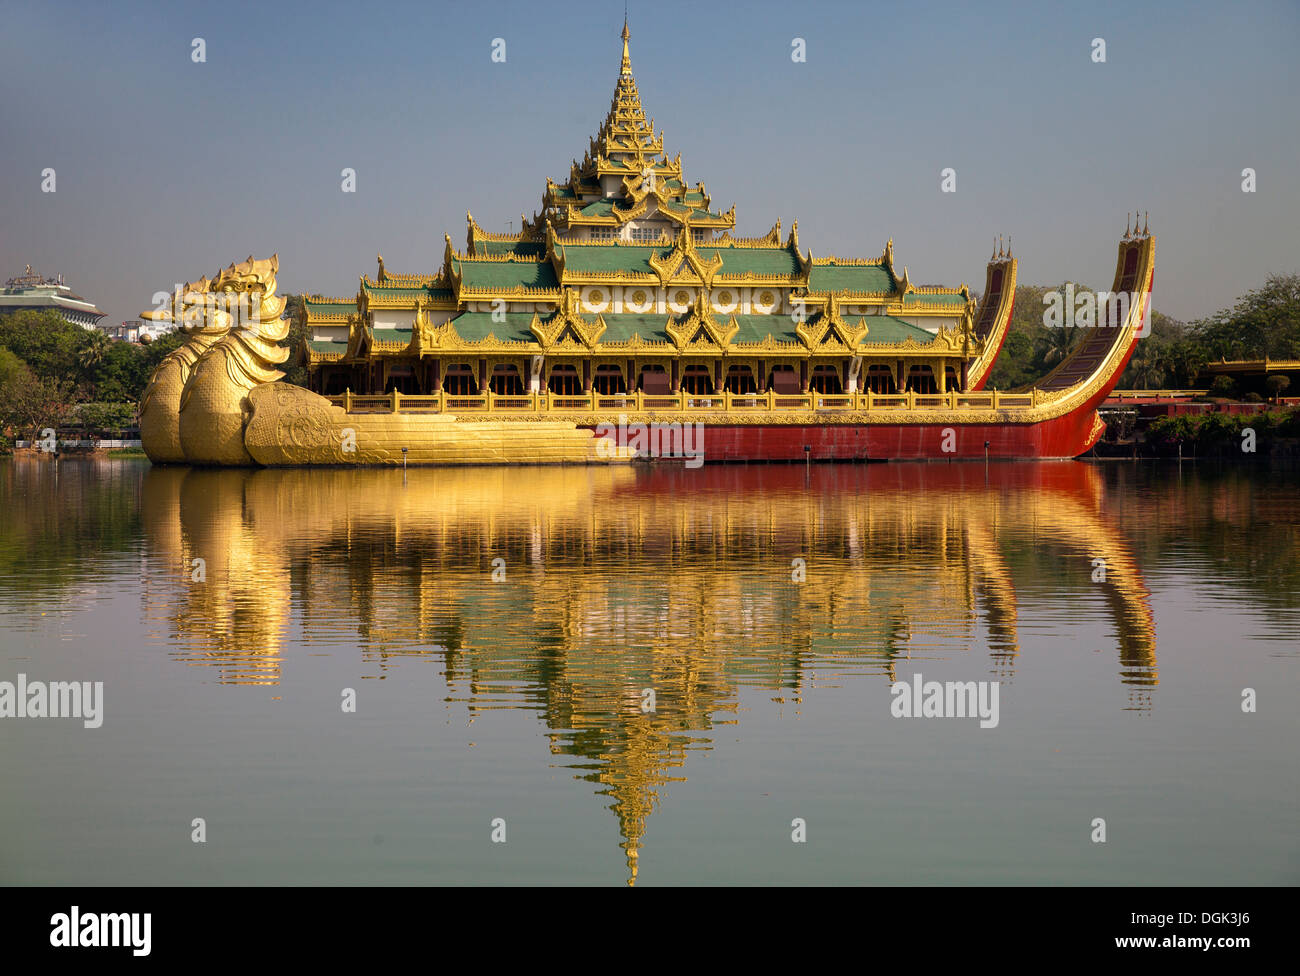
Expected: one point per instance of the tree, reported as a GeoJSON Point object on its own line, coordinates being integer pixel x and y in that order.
{"type": "Point", "coordinates": [1223, 386]}
{"type": "Point", "coordinates": [30, 403]}
{"type": "Point", "coordinates": [1276, 383]}
{"type": "Point", "coordinates": [45, 341]}
{"type": "Point", "coordinates": [94, 348]}
{"type": "Point", "coordinates": [1264, 322]}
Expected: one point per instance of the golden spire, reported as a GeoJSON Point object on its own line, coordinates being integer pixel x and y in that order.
{"type": "Point", "coordinates": [627, 58]}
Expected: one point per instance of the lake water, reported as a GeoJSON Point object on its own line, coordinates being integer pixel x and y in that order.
{"type": "Point", "coordinates": [652, 674]}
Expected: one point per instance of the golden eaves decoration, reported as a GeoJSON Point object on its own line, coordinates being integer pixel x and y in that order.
{"type": "Point", "coordinates": [567, 326]}
{"type": "Point", "coordinates": [700, 327]}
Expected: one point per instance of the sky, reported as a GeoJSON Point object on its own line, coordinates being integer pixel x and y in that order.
{"type": "Point", "coordinates": [167, 168]}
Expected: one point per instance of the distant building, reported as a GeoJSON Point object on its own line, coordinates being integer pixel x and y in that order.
{"type": "Point", "coordinates": [31, 291]}
{"type": "Point", "coordinates": [126, 332]}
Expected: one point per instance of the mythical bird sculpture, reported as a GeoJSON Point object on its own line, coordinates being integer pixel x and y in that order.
{"type": "Point", "coordinates": [160, 405]}
{"type": "Point", "coordinates": [214, 407]}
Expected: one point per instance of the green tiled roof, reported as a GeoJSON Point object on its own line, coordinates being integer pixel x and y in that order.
{"type": "Point", "coordinates": [620, 328]}
{"type": "Point", "coordinates": [328, 345]}
{"type": "Point", "coordinates": [474, 326]}
{"type": "Point", "coordinates": [756, 328]}
{"type": "Point", "coordinates": [759, 260]}
{"type": "Point", "coordinates": [598, 208]}
{"type": "Point", "coordinates": [318, 308]}
{"type": "Point", "coordinates": [391, 335]}
{"type": "Point", "coordinates": [506, 275]}
{"type": "Point", "coordinates": [855, 278]}
{"type": "Point", "coordinates": [912, 298]}
{"type": "Point", "coordinates": [411, 294]}
{"type": "Point", "coordinates": [515, 327]}
{"type": "Point", "coordinates": [610, 257]}
{"type": "Point", "coordinates": [887, 330]}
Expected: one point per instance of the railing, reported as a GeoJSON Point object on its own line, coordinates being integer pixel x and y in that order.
{"type": "Point", "coordinates": [1154, 394]}
{"type": "Point", "coordinates": [640, 402]}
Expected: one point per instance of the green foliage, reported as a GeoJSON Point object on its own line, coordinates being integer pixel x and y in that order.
{"type": "Point", "coordinates": [1223, 386]}
{"type": "Point", "coordinates": [1222, 432]}
{"type": "Point", "coordinates": [1264, 322]}
{"type": "Point", "coordinates": [29, 402]}
{"type": "Point", "coordinates": [10, 366]}
{"type": "Point", "coordinates": [1276, 384]}
{"type": "Point", "coordinates": [108, 417]}
{"type": "Point", "coordinates": [46, 342]}
{"type": "Point", "coordinates": [295, 367]}
{"type": "Point", "coordinates": [88, 364]}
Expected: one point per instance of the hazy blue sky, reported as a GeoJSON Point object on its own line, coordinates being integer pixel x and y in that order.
{"type": "Point", "coordinates": [167, 169]}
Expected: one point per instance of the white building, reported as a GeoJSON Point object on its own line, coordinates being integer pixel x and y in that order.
{"type": "Point", "coordinates": [31, 291]}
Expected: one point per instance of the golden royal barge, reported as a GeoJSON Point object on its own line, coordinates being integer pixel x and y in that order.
{"type": "Point", "coordinates": [627, 305]}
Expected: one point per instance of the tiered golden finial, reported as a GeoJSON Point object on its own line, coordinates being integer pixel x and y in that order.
{"type": "Point", "coordinates": [627, 58]}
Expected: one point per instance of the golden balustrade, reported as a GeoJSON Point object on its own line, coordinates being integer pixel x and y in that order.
{"type": "Point", "coordinates": [641, 402]}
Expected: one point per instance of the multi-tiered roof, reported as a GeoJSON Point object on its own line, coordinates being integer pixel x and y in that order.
{"type": "Point", "coordinates": [626, 257]}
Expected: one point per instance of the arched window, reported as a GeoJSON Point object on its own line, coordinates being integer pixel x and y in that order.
{"type": "Point", "coordinates": [951, 380]}
{"type": "Point", "coordinates": [505, 380]}
{"type": "Point", "coordinates": [880, 380]}
{"type": "Point", "coordinates": [826, 379]}
{"type": "Point", "coordinates": [697, 380]}
{"type": "Point", "coordinates": [740, 379]}
{"type": "Point", "coordinates": [920, 379]}
{"type": "Point", "coordinates": [460, 380]}
{"type": "Point", "coordinates": [565, 380]}
{"type": "Point", "coordinates": [608, 380]}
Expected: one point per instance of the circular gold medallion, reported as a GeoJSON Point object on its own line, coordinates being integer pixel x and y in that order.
{"type": "Point", "coordinates": [767, 298]}
{"type": "Point", "coordinates": [596, 297]}
{"type": "Point", "coordinates": [724, 298]}
{"type": "Point", "coordinates": [682, 298]}
{"type": "Point", "coordinates": [638, 298]}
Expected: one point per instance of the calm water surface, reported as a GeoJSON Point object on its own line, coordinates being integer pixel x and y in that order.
{"type": "Point", "coordinates": [500, 628]}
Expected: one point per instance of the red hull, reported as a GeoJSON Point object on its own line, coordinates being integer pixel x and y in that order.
{"type": "Point", "coordinates": [1063, 437]}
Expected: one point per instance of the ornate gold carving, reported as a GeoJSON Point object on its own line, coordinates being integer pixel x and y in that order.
{"type": "Point", "coordinates": [160, 404]}
{"type": "Point", "coordinates": [213, 406]}
{"type": "Point", "coordinates": [292, 426]}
